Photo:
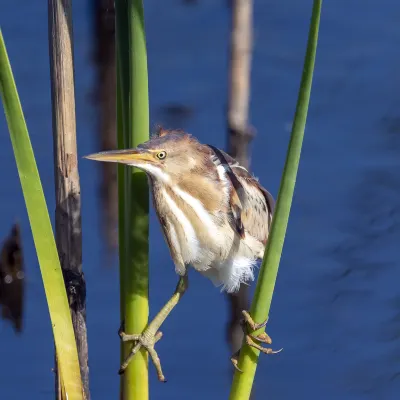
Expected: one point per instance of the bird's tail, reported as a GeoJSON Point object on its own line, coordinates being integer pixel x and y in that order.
{"type": "Point", "coordinates": [230, 275]}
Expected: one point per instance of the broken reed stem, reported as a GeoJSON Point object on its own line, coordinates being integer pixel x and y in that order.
{"type": "Point", "coordinates": [68, 200]}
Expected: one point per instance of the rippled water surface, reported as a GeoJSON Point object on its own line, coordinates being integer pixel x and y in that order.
{"type": "Point", "coordinates": [336, 310]}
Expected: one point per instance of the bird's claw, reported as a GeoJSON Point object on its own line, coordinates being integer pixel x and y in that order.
{"type": "Point", "coordinates": [147, 340]}
{"type": "Point", "coordinates": [235, 360]}
{"type": "Point", "coordinates": [121, 329]}
{"type": "Point", "coordinates": [253, 340]}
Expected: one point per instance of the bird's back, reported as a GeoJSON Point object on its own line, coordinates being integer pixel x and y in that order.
{"type": "Point", "coordinates": [249, 210]}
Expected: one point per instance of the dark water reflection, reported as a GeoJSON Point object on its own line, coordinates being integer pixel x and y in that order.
{"type": "Point", "coordinates": [337, 306]}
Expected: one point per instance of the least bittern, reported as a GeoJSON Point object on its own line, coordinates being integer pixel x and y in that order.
{"type": "Point", "coordinates": [215, 217]}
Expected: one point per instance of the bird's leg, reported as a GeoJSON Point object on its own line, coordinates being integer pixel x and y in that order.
{"type": "Point", "coordinates": [151, 335]}
{"type": "Point", "coordinates": [253, 340]}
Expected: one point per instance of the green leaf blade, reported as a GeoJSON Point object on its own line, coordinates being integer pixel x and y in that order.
{"type": "Point", "coordinates": [41, 230]}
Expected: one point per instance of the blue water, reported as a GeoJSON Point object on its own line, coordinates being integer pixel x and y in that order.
{"type": "Point", "coordinates": [336, 305]}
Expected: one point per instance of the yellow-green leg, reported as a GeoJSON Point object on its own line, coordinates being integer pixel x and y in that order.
{"type": "Point", "coordinates": [151, 335]}
{"type": "Point", "coordinates": [252, 340]}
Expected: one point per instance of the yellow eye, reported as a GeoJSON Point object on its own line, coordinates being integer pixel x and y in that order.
{"type": "Point", "coordinates": [161, 155]}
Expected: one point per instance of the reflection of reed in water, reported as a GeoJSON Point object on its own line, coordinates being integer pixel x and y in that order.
{"type": "Point", "coordinates": [12, 282]}
{"type": "Point", "coordinates": [104, 58]}
{"type": "Point", "coordinates": [239, 133]}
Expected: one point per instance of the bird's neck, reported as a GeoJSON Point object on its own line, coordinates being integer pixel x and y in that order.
{"type": "Point", "coordinates": [192, 189]}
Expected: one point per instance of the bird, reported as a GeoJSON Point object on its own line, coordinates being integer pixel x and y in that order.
{"type": "Point", "coordinates": [215, 218]}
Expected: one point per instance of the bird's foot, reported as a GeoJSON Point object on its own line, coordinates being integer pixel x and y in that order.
{"type": "Point", "coordinates": [254, 341]}
{"type": "Point", "coordinates": [151, 335]}
{"type": "Point", "coordinates": [146, 339]}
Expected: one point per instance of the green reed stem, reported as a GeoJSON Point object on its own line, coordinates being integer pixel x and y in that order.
{"type": "Point", "coordinates": [242, 382]}
{"type": "Point", "coordinates": [122, 101]}
{"type": "Point", "coordinates": [133, 189]}
{"type": "Point", "coordinates": [121, 213]}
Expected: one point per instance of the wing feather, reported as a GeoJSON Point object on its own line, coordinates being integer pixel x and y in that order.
{"type": "Point", "coordinates": [252, 206]}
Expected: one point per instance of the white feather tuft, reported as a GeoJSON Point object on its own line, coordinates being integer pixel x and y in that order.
{"type": "Point", "coordinates": [232, 273]}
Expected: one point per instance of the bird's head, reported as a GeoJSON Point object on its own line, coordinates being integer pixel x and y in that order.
{"type": "Point", "coordinates": [167, 155]}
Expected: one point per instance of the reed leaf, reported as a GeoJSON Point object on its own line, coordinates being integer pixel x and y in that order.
{"type": "Point", "coordinates": [42, 232]}
{"type": "Point", "coordinates": [242, 382]}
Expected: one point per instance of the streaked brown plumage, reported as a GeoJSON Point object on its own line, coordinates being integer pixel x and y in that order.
{"type": "Point", "coordinates": [215, 216]}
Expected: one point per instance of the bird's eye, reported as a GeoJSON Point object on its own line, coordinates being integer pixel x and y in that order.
{"type": "Point", "coordinates": [161, 155]}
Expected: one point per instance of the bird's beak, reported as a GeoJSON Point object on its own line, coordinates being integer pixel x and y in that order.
{"type": "Point", "coordinates": [130, 156]}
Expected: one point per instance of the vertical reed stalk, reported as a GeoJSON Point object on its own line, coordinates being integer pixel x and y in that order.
{"type": "Point", "coordinates": [122, 101]}
{"type": "Point", "coordinates": [242, 382]}
{"type": "Point", "coordinates": [239, 133]}
{"type": "Point", "coordinates": [121, 215]}
{"type": "Point", "coordinates": [137, 283]}
{"type": "Point", "coordinates": [105, 99]}
{"type": "Point", "coordinates": [133, 109]}
{"type": "Point", "coordinates": [42, 232]}
{"type": "Point", "coordinates": [122, 60]}
{"type": "Point", "coordinates": [68, 199]}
